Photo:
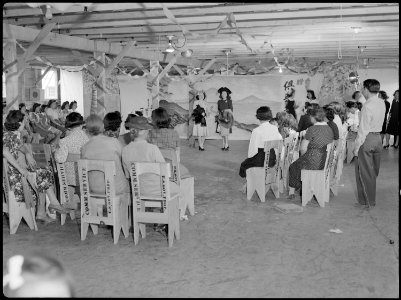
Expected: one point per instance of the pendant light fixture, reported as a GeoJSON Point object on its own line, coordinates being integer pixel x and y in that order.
{"type": "Point", "coordinates": [170, 48]}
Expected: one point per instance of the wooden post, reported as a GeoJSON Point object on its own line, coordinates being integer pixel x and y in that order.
{"type": "Point", "coordinates": [101, 95]}
{"type": "Point", "coordinates": [153, 83]}
{"type": "Point", "coordinates": [10, 55]}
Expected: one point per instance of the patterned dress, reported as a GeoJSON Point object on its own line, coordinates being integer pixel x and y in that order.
{"type": "Point", "coordinates": [314, 158]}
{"type": "Point", "coordinates": [44, 176]}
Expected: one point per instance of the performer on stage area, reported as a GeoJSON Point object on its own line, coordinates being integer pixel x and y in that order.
{"type": "Point", "coordinates": [226, 117]}
{"type": "Point", "coordinates": [199, 114]}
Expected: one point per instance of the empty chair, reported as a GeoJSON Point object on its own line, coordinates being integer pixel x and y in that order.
{"type": "Point", "coordinates": [186, 184]}
{"type": "Point", "coordinates": [165, 199]}
{"type": "Point", "coordinates": [16, 210]}
{"type": "Point", "coordinates": [262, 179]}
{"type": "Point", "coordinates": [96, 208]}
{"type": "Point", "coordinates": [317, 182]}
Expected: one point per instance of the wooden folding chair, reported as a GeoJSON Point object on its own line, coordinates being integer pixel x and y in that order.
{"type": "Point", "coordinates": [16, 210]}
{"type": "Point", "coordinates": [317, 182]}
{"type": "Point", "coordinates": [64, 193]}
{"type": "Point", "coordinates": [262, 179]}
{"type": "Point", "coordinates": [289, 149]}
{"type": "Point", "coordinates": [107, 208]}
{"type": "Point", "coordinates": [337, 166]}
{"type": "Point", "coordinates": [168, 202]}
{"type": "Point", "coordinates": [186, 184]}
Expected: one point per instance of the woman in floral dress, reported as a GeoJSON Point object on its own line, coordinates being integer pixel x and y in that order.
{"type": "Point", "coordinates": [21, 163]}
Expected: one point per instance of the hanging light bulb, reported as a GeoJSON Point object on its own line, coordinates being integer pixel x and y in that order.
{"type": "Point", "coordinates": [170, 48]}
{"type": "Point", "coordinates": [48, 13]}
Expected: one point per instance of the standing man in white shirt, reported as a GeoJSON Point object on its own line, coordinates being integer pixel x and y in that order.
{"type": "Point", "coordinates": [264, 132]}
{"type": "Point", "coordinates": [368, 145]}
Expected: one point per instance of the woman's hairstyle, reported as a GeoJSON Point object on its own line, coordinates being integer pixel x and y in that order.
{"type": "Point", "coordinates": [13, 120]}
{"type": "Point", "coordinates": [313, 97]}
{"type": "Point", "coordinates": [354, 94]}
{"type": "Point", "coordinates": [128, 120]}
{"type": "Point", "coordinates": [160, 118]}
{"type": "Point", "coordinates": [72, 104]}
{"type": "Point", "coordinates": [339, 110]}
{"type": "Point", "coordinates": [395, 93]}
{"type": "Point", "coordinates": [329, 112]}
{"type": "Point", "coordinates": [51, 102]}
{"type": "Point", "coordinates": [73, 119]}
{"type": "Point", "coordinates": [319, 114]}
{"type": "Point", "coordinates": [359, 105]}
{"type": "Point", "coordinates": [264, 113]}
{"type": "Point", "coordinates": [287, 120]}
{"type": "Point", "coordinates": [112, 121]}
{"type": "Point", "coordinates": [94, 125]}
{"type": "Point", "coordinates": [224, 89]}
{"type": "Point", "coordinates": [65, 104]}
{"type": "Point", "coordinates": [35, 106]}
{"type": "Point", "coordinates": [37, 267]}
{"type": "Point", "coordinates": [43, 107]}
{"type": "Point", "coordinates": [383, 95]}
{"type": "Point", "coordinates": [313, 106]}
{"type": "Point", "coordinates": [350, 104]}
{"type": "Point", "coordinates": [372, 85]}
{"type": "Point", "coordinates": [21, 105]}
{"type": "Point", "coordinates": [139, 113]}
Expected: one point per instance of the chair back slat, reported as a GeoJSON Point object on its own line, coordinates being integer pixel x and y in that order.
{"type": "Point", "coordinates": [6, 184]}
{"type": "Point", "coordinates": [271, 173]}
{"type": "Point", "coordinates": [42, 154]}
{"type": "Point", "coordinates": [330, 148]}
{"type": "Point", "coordinates": [62, 176]}
{"type": "Point", "coordinates": [108, 168]}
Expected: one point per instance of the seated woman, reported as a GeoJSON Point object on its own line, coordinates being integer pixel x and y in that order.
{"type": "Point", "coordinates": [128, 137]}
{"type": "Point", "coordinates": [264, 132]}
{"type": "Point", "coordinates": [286, 124]}
{"type": "Point", "coordinates": [21, 163]}
{"type": "Point", "coordinates": [53, 116]}
{"type": "Point", "coordinates": [305, 120]}
{"type": "Point", "coordinates": [165, 137]}
{"type": "Point", "coordinates": [101, 147]}
{"type": "Point", "coordinates": [313, 150]}
{"type": "Point", "coordinates": [64, 111]}
{"type": "Point", "coordinates": [39, 127]}
{"type": "Point", "coordinates": [75, 138]}
{"type": "Point", "coordinates": [112, 122]}
{"type": "Point", "coordinates": [330, 116]}
{"type": "Point", "coordinates": [352, 121]}
{"type": "Point", "coordinates": [140, 150]}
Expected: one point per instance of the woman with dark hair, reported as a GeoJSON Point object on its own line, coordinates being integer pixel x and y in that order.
{"type": "Point", "coordinates": [339, 116]}
{"type": "Point", "coordinates": [73, 106]}
{"type": "Point", "coordinates": [52, 113]}
{"type": "Point", "coordinates": [393, 122]}
{"type": "Point", "coordinates": [39, 125]}
{"type": "Point", "coordinates": [226, 117]}
{"type": "Point", "coordinates": [64, 110]}
{"type": "Point", "coordinates": [162, 135]}
{"type": "Point", "coordinates": [313, 149]}
{"type": "Point", "coordinates": [199, 114]}
{"type": "Point", "coordinates": [330, 115]}
{"type": "Point", "coordinates": [305, 120]}
{"type": "Point", "coordinates": [112, 123]}
{"type": "Point", "coordinates": [256, 150]}
{"type": "Point", "coordinates": [21, 164]}
{"type": "Point", "coordinates": [128, 137]}
{"type": "Point", "coordinates": [22, 108]}
{"type": "Point", "coordinates": [75, 138]}
{"type": "Point", "coordinates": [310, 95]}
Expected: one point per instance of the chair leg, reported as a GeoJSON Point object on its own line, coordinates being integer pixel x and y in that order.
{"type": "Point", "coordinates": [95, 228]}
{"type": "Point", "coordinates": [62, 219]}
{"type": "Point", "coordinates": [307, 193]}
{"type": "Point", "coordinates": [124, 219]}
{"type": "Point", "coordinates": [170, 234]}
{"type": "Point", "coordinates": [176, 223]}
{"type": "Point", "coordinates": [116, 229]}
{"type": "Point", "coordinates": [142, 229]}
{"type": "Point", "coordinates": [136, 232]}
{"type": "Point", "coordinates": [35, 226]}
{"type": "Point", "coordinates": [84, 230]}
{"type": "Point", "coordinates": [190, 195]}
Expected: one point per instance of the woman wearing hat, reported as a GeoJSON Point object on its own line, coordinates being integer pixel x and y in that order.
{"type": "Point", "coordinates": [101, 147]}
{"type": "Point", "coordinates": [199, 114]}
{"type": "Point", "coordinates": [226, 118]}
{"type": "Point", "coordinates": [140, 150]}
{"type": "Point", "coordinates": [75, 138]}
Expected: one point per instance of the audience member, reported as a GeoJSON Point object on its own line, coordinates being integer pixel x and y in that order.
{"type": "Point", "coordinates": [162, 135]}
{"type": "Point", "coordinates": [393, 122]}
{"type": "Point", "coordinates": [286, 124]}
{"type": "Point", "coordinates": [128, 137]}
{"type": "Point", "coordinates": [36, 276]}
{"type": "Point", "coordinates": [313, 150]}
{"type": "Point", "coordinates": [112, 122]}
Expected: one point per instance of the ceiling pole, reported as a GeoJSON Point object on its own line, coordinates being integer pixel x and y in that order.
{"type": "Point", "coordinates": [207, 67]}
{"type": "Point", "coordinates": [168, 67]}
{"type": "Point", "coordinates": [10, 55]}
{"type": "Point", "coordinates": [43, 75]}
{"type": "Point", "coordinates": [119, 57]}
{"type": "Point", "coordinates": [140, 65]}
{"type": "Point", "coordinates": [100, 85]}
{"type": "Point", "coordinates": [153, 84]}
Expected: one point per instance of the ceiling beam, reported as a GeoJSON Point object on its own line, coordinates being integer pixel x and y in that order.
{"type": "Point", "coordinates": [64, 41]}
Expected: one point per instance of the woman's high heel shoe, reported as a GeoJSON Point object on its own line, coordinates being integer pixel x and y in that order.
{"type": "Point", "coordinates": [385, 147]}
{"type": "Point", "coordinates": [201, 149]}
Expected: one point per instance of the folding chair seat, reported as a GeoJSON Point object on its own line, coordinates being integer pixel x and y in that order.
{"type": "Point", "coordinates": [107, 208]}
{"type": "Point", "coordinates": [65, 194]}
{"type": "Point", "coordinates": [317, 182]}
{"type": "Point", "coordinates": [261, 179]}
{"type": "Point", "coordinates": [186, 184]}
{"type": "Point", "coordinates": [167, 201]}
{"type": "Point", "coordinates": [16, 210]}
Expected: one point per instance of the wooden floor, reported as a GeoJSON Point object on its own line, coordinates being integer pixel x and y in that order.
{"type": "Point", "coordinates": [238, 248]}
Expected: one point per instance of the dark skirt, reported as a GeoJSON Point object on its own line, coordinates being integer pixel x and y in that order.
{"type": "Point", "coordinates": [258, 160]}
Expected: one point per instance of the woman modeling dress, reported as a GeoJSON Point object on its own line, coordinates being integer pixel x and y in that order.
{"type": "Point", "coordinates": [393, 122]}
{"type": "Point", "coordinates": [226, 118]}
{"type": "Point", "coordinates": [199, 114]}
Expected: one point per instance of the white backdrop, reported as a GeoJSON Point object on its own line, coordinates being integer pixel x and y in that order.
{"type": "Point", "coordinates": [72, 89]}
